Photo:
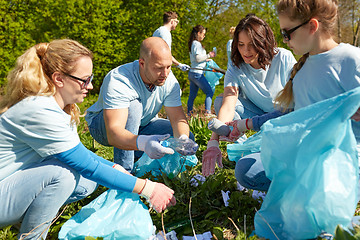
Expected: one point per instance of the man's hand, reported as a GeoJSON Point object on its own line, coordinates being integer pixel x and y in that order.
{"type": "Point", "coordinates": [186, 146]}
{"type": "Point", "coordinates": [183, 67]}
{"type": "Point", "coordinates": [150, 144]}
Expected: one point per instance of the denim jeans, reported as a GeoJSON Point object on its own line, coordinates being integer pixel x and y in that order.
{"type": "Point", "coordinates": [157, 126]}
{"type": "Point", "coordinates": [250, 173]}
{"type": "Point", "coordinates": [244, 108]}
{"type": "Point", "coordinates": [197, 81]}
{"type": "Point", "coordinates": [34, 195]}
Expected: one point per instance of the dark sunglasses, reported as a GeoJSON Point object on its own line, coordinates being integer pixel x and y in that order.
{"type": "Point", "coordinates": [286, 33]}
{"type": "Point", "coordinates": [86, 81]}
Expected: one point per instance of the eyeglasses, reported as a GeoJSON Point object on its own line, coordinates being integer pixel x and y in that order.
{"type": "Point", "coordinates": [86, 81]}
{"type": "Point", "coordinates": [286, 33]}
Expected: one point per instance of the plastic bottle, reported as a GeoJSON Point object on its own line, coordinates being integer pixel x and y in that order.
{"type": "Point", "coordinates": [184, 148]}
{"type": "Point", "coordinates": [215, 50]}
{"type": "Point", "coordinates": [219, 127]}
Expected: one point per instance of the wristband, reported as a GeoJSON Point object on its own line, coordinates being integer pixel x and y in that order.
{"type": "Point", "coordinates": [246, 124]}
{"type": "Point", "coordinates": [142, 187]}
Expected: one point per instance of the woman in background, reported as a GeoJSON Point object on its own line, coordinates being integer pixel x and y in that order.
{"type": "Point", "coordinates": [198, 58]}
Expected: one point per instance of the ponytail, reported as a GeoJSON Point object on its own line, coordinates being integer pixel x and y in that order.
{"type": "Point", "coordinates": [285, 98]}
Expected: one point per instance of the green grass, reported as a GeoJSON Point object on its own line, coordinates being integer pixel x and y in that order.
{"type": "Point", "coordinates": [207, 208]}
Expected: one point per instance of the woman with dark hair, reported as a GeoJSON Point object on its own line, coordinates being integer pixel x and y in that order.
{"type": "Point", "coordinates": [198, 58]}
{"type": "Point", "coordinates": [259, 71]}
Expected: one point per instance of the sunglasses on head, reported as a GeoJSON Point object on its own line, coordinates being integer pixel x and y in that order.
{"type": "Point", "coordinates": [286, 33]}
{"type": "Point", "coordinates": [86, 81]}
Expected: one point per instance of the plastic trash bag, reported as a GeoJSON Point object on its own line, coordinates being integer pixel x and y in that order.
{"type": "Point", "coordinates": [112, 215]}
{"type": "Point", "coordinates": [171, 165]}
{"type": "Point", "coordinates": [238, 150]}
{"type": "Point", "coordinates": [310, 156]}
{"type": "Point", "coordinates": [212, 77]}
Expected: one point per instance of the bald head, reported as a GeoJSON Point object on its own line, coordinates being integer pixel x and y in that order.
{"type": "Point", "coordinates": [154, 46]}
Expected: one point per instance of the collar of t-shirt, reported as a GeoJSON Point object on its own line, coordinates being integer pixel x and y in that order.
{"type": "Point", "coordinates": [150, 87]}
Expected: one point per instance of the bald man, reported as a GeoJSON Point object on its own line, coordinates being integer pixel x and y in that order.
{"type": "Point", "coordinates": [131, 96]}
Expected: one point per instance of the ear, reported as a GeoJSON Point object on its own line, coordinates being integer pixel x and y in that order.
{"type": "Point", "coordinates": [141, 62]}
{"type": "Point", "coordinates": [314, 25]}
{"type": "Point", "coordinates": [57, 79]}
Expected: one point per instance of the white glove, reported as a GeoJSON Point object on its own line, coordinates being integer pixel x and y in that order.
{"type": "Point", "coordinates": [150, 144]}
{"type": "Point", "coordinates": [185, 146]}
{"type": "Point", "coordinates": [183, 67]}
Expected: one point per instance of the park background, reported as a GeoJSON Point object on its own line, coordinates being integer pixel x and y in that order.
{"type": "Point", "coordinates": [113, 30]}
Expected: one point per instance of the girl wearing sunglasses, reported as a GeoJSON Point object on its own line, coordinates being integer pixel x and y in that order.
{"type": "Point", "coordinates": [259, 70]}
{"type": "Point", "coordinates": [43, 164]}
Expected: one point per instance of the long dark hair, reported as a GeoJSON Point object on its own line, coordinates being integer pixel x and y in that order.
{"type": "Point", "coordinates": [261, 36]}
{"type": "Point", "coordinates": [193, 34]}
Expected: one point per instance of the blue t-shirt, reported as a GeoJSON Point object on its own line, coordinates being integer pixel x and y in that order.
{"type": "Point", "coordinates": [261, 86]}
{"type": "Point", "coordinates": [326, 75]}
{"type": "Point", "coordinates": [197, 49]}
{"type": "Point", "coordinates": [124, 84]}
{"type": "Point", "coordinates": [163, 33]}
{"type": "Point", "coordinates": [31, 130]}
{"type": "Point", "coordinates": [36, 128]}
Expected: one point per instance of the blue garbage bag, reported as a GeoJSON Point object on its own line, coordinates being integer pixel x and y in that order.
{"type": "Point", "coordinates": [112, 215]}
{"type": "Point", "coordinates": [171, 165]}
{"type": "Point", "coordinates": [236, 151]}
{"type": "Point", "coordinates": [212, 77]}
{"type": "Point", "coordinates": [310, 156]}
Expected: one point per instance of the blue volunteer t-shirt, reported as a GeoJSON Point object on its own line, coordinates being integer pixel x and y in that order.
{"type": "Point", "coordinates": [326, 75]}
{"type": "Point", "coordinates": [124, 84]}
{"type": "Point", "coordinates": [164, 33]}
{"type": "Point", "coordinates": [31, 130]}
{"type": "Point", "coordinates": [259, 85]}
{"type": "Point", "coordinates": [197, 49]}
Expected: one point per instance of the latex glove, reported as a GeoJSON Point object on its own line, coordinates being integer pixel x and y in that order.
{"type": "Point", "coordinates": [150, 144]}
{"type": "Point", "coordinates": [211, 156]}
{"type": "Point", "coordinates": [121, 169]}
{"type": "Point", "coordinates": [212, 54]}
{"type": "Point", "coordinates": [356, 116]}
{"type": "Point", "coordinates": [239, 129]}
{"type": "Point", "coordinates": [183, 67]}
{"type": "Point", "coordinates": [158, 195]}
{"type": "Point", "coordinates": [186, 146]}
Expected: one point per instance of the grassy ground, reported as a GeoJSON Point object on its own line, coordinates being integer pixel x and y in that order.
{"type": "Point", "coordinates": [207, 209]}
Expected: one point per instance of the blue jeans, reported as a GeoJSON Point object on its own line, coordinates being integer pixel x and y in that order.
{"type": "Point", "coordinates": [125, 158]}
{"type": "Point", "coordinates": [250, 173]}
{"type": "Point", "coordinates": [34, 195]}
{"type": "Point", "coordinates": [244, 108]}
{"type": "Point", "coordinates": [197, 81]}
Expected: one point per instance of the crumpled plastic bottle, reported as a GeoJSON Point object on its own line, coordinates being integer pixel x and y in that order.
{"type": "Point", "coordinates": [184, 147]}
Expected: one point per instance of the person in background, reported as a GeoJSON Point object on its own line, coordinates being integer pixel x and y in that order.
{"type": "Point", "coordinates": [131, 96]}
{"type": "Point", "coordinates": [325, 70]}
{"type": "Point", "coordinates": [229, 44]}
{"type": "Point", "coordinates": [198, 58]}
{"type": "Point", "coordinates": [43, 164]}
{"type": "Point", "coordinates": [170, 21]}
{"type": "Point", "coordinates": [259, 70]}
